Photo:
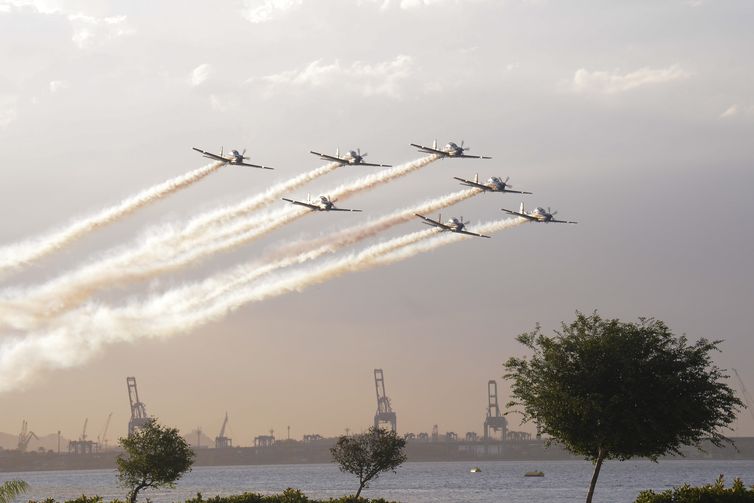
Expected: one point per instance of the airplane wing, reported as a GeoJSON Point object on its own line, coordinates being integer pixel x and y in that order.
{"type": "Point", "coordinates": [433, 223]}
{"type": "Point", "coordinates": [377, 165]}
{"type": "Point", "coordinates": [561, 221]}
{"type": "Point", "coordinates": [341, 209]}
{"type": "Point", "coordinates": [471, 234]}
{"type": "Point", "coordinates": [210, 155]}
{"type": "Point", "coordinates": [251, 165]}
{"type": "Point", "coordinates": [301, 203]}
{"type": "Point", "coordinates": [428, 150]}
{"type": "Point", "coordinates": [466, 156]}
{"type": "Point", "coordinates": [517, 191]}
{"type": "Point", "coordinates": [524, 215]}
{"type": "Point", "coordinates": [329, 157]}
{"type": "Point", "coordinates": [470, 183]}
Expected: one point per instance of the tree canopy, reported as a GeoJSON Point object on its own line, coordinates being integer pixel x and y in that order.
{"type": "Point", "coordinates": [608, 389]}
{"type": "Point", "coordinates": [366, 455]}
{"type": "Point", "coordinates": [157, 456]}
{"type": "Point", "coordinates": [10, 489]}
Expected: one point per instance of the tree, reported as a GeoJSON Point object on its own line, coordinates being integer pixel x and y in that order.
{"type": "Point", "coordinates": [10, 489]}
{"type": "Point", "coordinates": [366, 455]}
{"type": "Point", "coordinates": [157, 456]}
{"type": "Point", "coordinates": [608, 389]}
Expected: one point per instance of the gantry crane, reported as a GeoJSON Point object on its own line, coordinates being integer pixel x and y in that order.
{"type": "Point", "coordinates": [494, 421]}
{"type": "Point", "coordinates": [138, 411]}
{"type": "Point", "coordinates": [25, 436]}
{"type": "Point", "coordinates": [103, 438]}
{"type": "Point", "coordinates": [221, 441]}
{"type": "Point", "coordinates": [745, 393]}
{"type": "Point", "coordinates": [384, 412]}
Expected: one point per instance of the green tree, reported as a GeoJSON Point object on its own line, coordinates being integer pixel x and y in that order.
{"type": "Point", "coordinates": [156, 456]}
{"type": "Point", "coordinates": [10, 489]}
{"type": "Point", "coordinates": [366, 455]}
{"type": "Point", "coordinates": [608, 389]}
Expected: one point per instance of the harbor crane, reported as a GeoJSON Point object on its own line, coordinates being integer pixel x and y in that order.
{"type": "Point", "coordinates": [745, 393]}
{"type": "Point", "coordinates": [138, 411]}
{"type": "Point", "coordinates": [82, 445]}
{"type": "Point", "coordinates": [494, 421]}
{"type": "Point", "coordinates": [25, 436]}
{"type": "Point", "coordinates": [384, 412]}
{"type": "Point", "coordinates": [221, 441]}
{"type": "Point", "coordinates": [102, 439]}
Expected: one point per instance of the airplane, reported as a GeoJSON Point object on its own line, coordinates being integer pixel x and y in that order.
{"type": "Point", "coordinates": [235, 158]}
{"type": "Point", "coordinates": [352, 158]}
{"type": "Point", "coordinates": [449, 150]}
{"type": "Point", "coordinates": [456, 225]}
{"type": "Point", "coordinates": [538, 214]}
{"type": "Point", "coordinates": [323, 203]}
{"type": "Point", "coordinates": [494, 184]}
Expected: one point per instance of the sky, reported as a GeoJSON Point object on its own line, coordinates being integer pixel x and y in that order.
{"type": "Point", "coordinates": [633, 118]}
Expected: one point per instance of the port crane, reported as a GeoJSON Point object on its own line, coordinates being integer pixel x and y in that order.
{"type": "Point", "coordinates": [745, 393]}
{"type": "Point", "coordinates": [102, 439]}
{"type": "Point", "coordinates": [25, 436]}
{"type": "Point", "coordinates": [385, 413]}
{"type": "Point", "coordinates": [494, 421]}
{"type": "Point", "coordinates": [138, 411]}
{"type": "Point", "coordinates": [221, 441]}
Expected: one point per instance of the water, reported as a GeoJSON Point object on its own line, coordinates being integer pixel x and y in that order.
{"type": "Point", "coordinates": [499, 481]}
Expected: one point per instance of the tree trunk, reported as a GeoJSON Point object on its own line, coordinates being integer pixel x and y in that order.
{"type": "Point", "coordinates": [361, 486]}
{"type": "Point", "coordinates": [135, 492]}
{"type": "Point", "coordinates": [600, 457]}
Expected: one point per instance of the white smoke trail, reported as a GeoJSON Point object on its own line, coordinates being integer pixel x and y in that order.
{"type": "Point", "coordinates": [26, 308]}
{"type": "Point", "coordinates": [18, 255]}
{"type": "Point", "coordinates": [169, 249]}
{"type": "Point", "coordinates": [81, 334]}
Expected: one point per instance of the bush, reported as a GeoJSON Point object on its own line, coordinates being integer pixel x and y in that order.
{"type": "Point", "coordinates": [288, 496]}
{"type": "Point", "coordinates": [710, 493]}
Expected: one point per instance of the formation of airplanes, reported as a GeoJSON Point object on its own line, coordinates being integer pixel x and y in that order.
{"type": "Point", "coordinates": [453, 224]}
{"type": "Point", "coordinates": [493, 184]}
{"type": "Point", "coordinates": [321, 203]}
{"type": "Point", "coordinates": [236, 158]}
{"type": "Point", "coordinates": [352, 158]}
{"type": "Point", "coordinates": [450, 150]}
{"type": "Point", "coordinates": [538, 214]}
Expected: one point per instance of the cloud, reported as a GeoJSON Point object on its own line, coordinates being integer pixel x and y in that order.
{"type": "Point", "coordinates": [382, 78]}
{"type": "Point", "coordinates": [601, 82]}
{"type": "Point", "coordinates": [261, 11]}
{"type": "Point", "coordinates": [200, 74]}
{"type": "Point", "coordinates": [414, 4]}
{"type": "Point", "coordinates": [58, 85]}
{"type": "Point", "coordinates": [731, 111]}
{"type": "Point", "coordinates": [8, 110]}
{"type": "Point", "coordinates": [88, 31]}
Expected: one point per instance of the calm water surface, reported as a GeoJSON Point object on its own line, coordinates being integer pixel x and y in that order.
{"type": "Point", "coordinates": [499, 481]}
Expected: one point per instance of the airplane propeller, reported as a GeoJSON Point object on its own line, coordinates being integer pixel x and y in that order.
{"type": "Point", "coordinates": [243, 153]}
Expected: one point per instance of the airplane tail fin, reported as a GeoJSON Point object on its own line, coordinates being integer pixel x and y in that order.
{"type": "Point", "coordinates": [434, 144]}
{"type": "Point", "coordinates": [337, 151]}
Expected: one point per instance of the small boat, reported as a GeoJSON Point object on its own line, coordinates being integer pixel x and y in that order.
{"type": "Point", "coordinates": [535, 473]}
{"type": "Point", "coordinates": [476, 469]}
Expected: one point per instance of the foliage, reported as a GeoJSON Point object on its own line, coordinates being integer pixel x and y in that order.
{"type": "Point", "coordinates": [608, 389]}
{"type": "Point", "coordinates": [366, 455]}
{"type": "Point", "coordinates": [157, 456]}
{"type": "Point", "coordinates": [10, 489]}
{"type": "Point", "coordinates": [710, 493]}
{"type": "Point", "coordinates": [288, 496]}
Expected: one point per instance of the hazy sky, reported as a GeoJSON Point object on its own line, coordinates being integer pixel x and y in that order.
{"type": "Point", "coordinates": [634, 118]}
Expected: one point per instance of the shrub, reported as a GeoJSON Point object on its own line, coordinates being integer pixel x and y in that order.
{"type": "Point", "coordinates": [710, 493]}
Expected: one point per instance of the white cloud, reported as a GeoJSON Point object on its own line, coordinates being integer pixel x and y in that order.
{"type": "Point", "coordinates": [8, 110]}
{"type": "Point", "coordinates": [414, 4]}
{"type": "Point", "coordinates": [88, 31]}
{"type": "Point", "coordinates": [601, 82]}
{"type": "Point", "coordinates": [731, 111]}
{"type": "Point", "coordinates": [200, 74]}
{"type": "Point", "coordinates": [58, 85]}
{"type": "Point", "coordinates": [260, 11]}
{"type": "Point", "coordinates": [367, 79]}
